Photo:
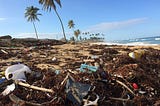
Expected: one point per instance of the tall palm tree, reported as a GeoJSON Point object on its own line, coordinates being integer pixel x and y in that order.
{"type": "Point", "coordinates": [71, 24]}
{"type": "Point", "coordinates": [49, 5]}
{"type": "Point", "coordinates": [32, 15]}
{"type": "Point", "coordinates": [76, 33]}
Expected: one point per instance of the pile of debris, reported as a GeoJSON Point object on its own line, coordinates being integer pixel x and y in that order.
{"type": "Point", "coordinates": [109, 76]}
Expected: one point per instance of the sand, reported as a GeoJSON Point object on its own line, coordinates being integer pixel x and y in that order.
{"type": "Point", "coordinates": [114, 61]}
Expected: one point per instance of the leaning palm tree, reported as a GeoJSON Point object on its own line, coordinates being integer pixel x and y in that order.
{"type": "Point", "coordinates": [32, 15]}
{"type": "Point", "coordinates": [50, 4]}
{"type": "Point", "coordinates": [76, 33]}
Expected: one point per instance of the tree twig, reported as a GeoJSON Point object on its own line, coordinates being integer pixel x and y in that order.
{"type": "Point", "coordinates": [34, 87]}
{"type": "Point", "coordinates": [121, 83]}
{"type": "Point", "coordinates": [64, 80]}
{"type": "Point", "coordinates": [119, 99]}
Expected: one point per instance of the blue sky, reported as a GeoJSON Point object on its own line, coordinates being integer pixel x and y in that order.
{"type": "Point", "coordinates": [117, 19]}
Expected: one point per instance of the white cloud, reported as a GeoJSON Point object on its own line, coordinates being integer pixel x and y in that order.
{"type": "Point", "coordinates": [1, 19]}
{"type": "Point", "coordinates": [107, 26]}
{"type": "Point", "coordinates": [40, 35]}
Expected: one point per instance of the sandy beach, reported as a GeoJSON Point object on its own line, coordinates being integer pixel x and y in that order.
{"type": "Point", "coordinates": [113, 63]}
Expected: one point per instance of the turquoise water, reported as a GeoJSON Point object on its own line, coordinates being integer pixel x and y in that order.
{"type": "Point", "coordinates": [140, 41]}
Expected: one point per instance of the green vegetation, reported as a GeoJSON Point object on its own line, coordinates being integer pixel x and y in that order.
{"type": "Point", "coordinates": [32, 15]}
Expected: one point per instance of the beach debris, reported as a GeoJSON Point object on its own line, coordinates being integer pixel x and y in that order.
{"type": "Point", "coordinates": [112, 81]}
{"type": "Point", "coordinates": [2, 80]}
{"type": "Point", "coordinates": [124, 85]}
{"type": "Point", "coordinates": [18, 101]}
{"type": "Point", "coordinates": [91, 103]}
{"type": "Point", "coordinates": [4, 51]}
{"type": "Point", "coordinates": [54, 59]}
{"type": "Point", "coordinates": [94, 57]}
{"type": "Point", "coordinates": [57, 72]}
{"type": "Point", "coordinates": [76, 91]}
{"type": "Point", "coordinates": [135, 86]}
{"type": "Point", "coordinates": [142, 92]}
{"type": "Point", "coordinates": [2, 73]}
{"type": "Point", "coordinates": [9, 89]}
{"type": "Point", "coordinates": [33, 87]}
{"type": "Point", "coordinates": [17, 72]}
{"type": "Point", "coordinates": [88, 68]}
{"type": "Point", "coordinates": [119, 99]}
{"type": "Point", "coordinates": [137, 54]}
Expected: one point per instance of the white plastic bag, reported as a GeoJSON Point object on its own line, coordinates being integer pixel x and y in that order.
{"type": "Point", "coordinates": [17, 72]}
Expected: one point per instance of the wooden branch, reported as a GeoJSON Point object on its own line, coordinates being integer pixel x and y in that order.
{"type": "Point", "coordinates": [4, 51]}
{"type": "Point", "coordinates": [121, 83]}
{"type": "Point", "coordinates": [119, 99]}
{"type": "Point", "coordinates": [65, 79]}
{"type": "Point", "coordinates": [34, 87]}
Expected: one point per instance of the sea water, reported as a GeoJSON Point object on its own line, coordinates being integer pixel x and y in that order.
{"type": "Point", "coordinates": [138, 41]}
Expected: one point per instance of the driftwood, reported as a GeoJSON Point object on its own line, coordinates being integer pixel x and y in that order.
{"type": "Point", "coordinates": [34, 87]}
{"type": "Point", "coordinates": [4, 51]}
{"type": "Point", "coordinates": [119, 99]}
{"type": "Point", "coordinates": [121, 83]}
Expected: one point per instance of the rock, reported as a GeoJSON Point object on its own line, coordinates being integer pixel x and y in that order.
{"type": "Point", "coordinates": [6, 37]}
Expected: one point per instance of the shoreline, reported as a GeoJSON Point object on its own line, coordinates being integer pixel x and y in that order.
{"type": "Point", "coordinates": [155, 46]}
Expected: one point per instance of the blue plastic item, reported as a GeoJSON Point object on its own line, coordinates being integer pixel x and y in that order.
{"type": "Point", "coordinates": [2, 80]}
{"type": "Point", "coordinates": [85, 67]}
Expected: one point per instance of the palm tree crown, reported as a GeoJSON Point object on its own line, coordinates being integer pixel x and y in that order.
{"type": "Point", "coordinates": [32, 15]}
{"type": "Point", "coordinates": [49, 4]}
{"type": "Point", "coordinates": [71, 24]}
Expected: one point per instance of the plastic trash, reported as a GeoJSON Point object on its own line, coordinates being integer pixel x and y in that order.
{"type": "Point", "coordinates": [135, 86]}
{"type": "Point", "coordinates": [2, 73]}
{"type": "Point", "coordinates": [2, 80]}
{"type": "Point", "coordinates": [57, 72]}
{"type": "Point", "coordinates": [137, 54]}
{"type": "Point", "coordinates": [91, 103]}
{"type": "Point", "coordinates": [76, 91]}
{"type": "Point", "coordinates": [17, 72]}
{"type": "Point", "coordinates": [85, 67]}
{"type": "Point", "coordinates": [94, 57]}
{"type": "Point", "coordinates": [9, 89]}
{"type": "Point", "coordinates": [54, 59]}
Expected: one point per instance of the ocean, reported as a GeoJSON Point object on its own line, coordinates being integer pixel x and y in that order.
{"type": "Point", "coordinates": [138, 41]}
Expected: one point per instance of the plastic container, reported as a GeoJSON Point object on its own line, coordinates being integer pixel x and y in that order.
{"type": "Point", "coordinates": [17, 72]}
{"type": "Point", "coordinates": [85, 67]}
{"type": "Point", "coordinates": [137, 54]}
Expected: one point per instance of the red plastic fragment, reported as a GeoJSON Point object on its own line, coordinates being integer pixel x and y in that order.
{"type": "Point", "coordinates": [135, 86]}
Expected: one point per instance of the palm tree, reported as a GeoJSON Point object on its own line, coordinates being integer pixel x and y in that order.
{"type": "Point", "coordinates": [32, 15]}
{"type": "Point", "coordinates": [76, 33]}
{"type": "Point", "coordinates": [71, 24]}
{"type": "Point", "coordinates": [48, 5]}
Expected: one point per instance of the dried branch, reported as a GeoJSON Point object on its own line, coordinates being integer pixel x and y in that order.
{"type": "Point", "coordinates": [121, 83]}
{"type": "Point", "coordinates": [119, 99]}
{"type": "Point", "coordinates": [34, 87]}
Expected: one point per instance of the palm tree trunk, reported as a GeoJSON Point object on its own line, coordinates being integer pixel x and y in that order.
{"type": "Point", "coordinates": [35, 30]}
{"type": "Point", "coordinates": [61, 24]}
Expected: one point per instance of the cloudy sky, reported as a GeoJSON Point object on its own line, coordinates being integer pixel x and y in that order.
{"type": "Point", "coordinates": [117, 19]}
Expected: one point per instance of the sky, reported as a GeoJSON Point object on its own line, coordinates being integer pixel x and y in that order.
{"type": "Point", "coordinates": [116, 19]}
